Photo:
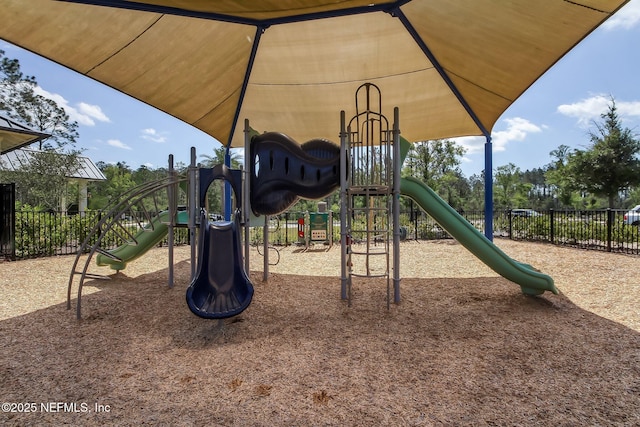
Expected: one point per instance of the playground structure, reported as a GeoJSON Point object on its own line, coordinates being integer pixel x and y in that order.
{"type": "Point", "coordinates": [371, 155]}
{"type": "Point", "coordinates": [366, 169]}
{"type": "Point", "coordinates": [466, 79]}
{"type": "Point", "coordinates": [219, 285]}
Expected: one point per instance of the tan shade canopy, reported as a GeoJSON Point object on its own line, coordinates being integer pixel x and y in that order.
{"type": "Point", "coordinates": [451, 66]}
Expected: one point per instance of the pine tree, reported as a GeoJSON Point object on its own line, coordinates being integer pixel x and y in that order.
{"type": "Point", "coordinates": [611, 163]}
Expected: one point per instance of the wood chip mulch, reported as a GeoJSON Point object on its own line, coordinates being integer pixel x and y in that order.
{"type": "Point", "coordinates": [464, 347]}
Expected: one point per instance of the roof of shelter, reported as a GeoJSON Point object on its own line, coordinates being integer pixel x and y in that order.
{"type": "Point", "coordinates": [14, 135]}
{"type": "Point", "coordinates": [452, 67]}
{"type": "Point", "coordinates": [19, 159]}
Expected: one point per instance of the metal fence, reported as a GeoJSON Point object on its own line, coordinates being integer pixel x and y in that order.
{"type": "Point", "coordinates": [602, 230]}
{"type": "Point", "coordinates": [40, 234]}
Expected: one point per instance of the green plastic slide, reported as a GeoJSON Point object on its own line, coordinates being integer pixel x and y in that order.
{"type": "Point", "coordinates": [144, 240]}
{"type": "Point", "coordinates": [531, 281]}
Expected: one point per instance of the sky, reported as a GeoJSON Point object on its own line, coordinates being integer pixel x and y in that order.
{"type": "Point", "coordinates": [558, 109]}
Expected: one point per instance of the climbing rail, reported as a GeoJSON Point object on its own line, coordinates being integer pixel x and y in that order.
{"type": "Point", "coordinates": [128, 219]}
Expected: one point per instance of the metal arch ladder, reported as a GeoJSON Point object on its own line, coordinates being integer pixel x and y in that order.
{"type": "Point", "coordinates": [369, 194]}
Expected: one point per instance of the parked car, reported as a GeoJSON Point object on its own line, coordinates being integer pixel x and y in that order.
{"type": "Point", "coordinates": [633, 216]}
{"type": "Point", "coordinates": [524, 213]}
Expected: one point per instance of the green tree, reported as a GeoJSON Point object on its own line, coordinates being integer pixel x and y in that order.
{"type": "Point", "coordinates": [558, 176]}
{"type": "Point", "coordinates": [633, 197]}
{"type": "Point", "coordinates": [119, 180]}
{"type": "Point", "coordinates": [611, 162]}
{"type": "Point", "coordinates": [11, 79]}
{"type": "Point", "coordinates": [145, 174]}
{"type": "Point", "coordinates": [218, 158]}
{"type": "Point", "coordinates": [19, 101]}
{"type": "Point", "coordinates": [475, 198]}
{"type": "Point", "coordinates": [509, 190]}
{"type": "Point", "coordinates": [539, 193]}
{"type": "Point", "coordinates": [437, 164]}
{"type": "Point", "coordinates": [42, 180]}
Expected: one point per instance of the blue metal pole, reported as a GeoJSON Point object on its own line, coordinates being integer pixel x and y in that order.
{"type": "Point", "coordinates": [488, 189]}
{"type": "Point", "coordinates": [344, 157]}
{"type": "Point", "coordinates": [227, 188]}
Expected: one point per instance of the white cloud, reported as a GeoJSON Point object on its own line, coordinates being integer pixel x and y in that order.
{"type": "Point", "coordinates": [628, 108]}
{"type": "Point", "coordinates": [153, 135]}
{"type": "Point", "coordinates": [118, 144]}
{"type": "Point", "coordinates": [517, 130]}
{"type": "Point", "coordinates": [626, 18]}
{"type": "Point", "coordinates": [590, 109]}
{"type": "Point", "coordinates": [586, 110]}
{"type": "Point", "coordinates": [93, 111]}
{"type": "Point", "coordinates": [472, 144]}
{"type": "Point", "coordinates": [85, 114]}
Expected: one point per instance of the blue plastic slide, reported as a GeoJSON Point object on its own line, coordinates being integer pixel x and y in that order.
{"type": "Point", "coordinates": [221, 287]}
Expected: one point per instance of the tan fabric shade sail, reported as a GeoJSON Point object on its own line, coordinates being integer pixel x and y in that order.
{"type": "Point", "coordinates": [451, 66]}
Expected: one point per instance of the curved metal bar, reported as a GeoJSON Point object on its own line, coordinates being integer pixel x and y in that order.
{"type": "Point", "coordinates": [107, 223]}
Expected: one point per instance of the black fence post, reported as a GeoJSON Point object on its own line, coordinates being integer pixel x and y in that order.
{"type": "Point", "coordinates": [51, 219]}
{"type": "Point", "coordinates": [552, 230]}
{"type": "Point", "coordinates": [99, 229]}
{"type": "Point", "coordinates": [609, 228]}
{"type": "Point", "coordinates": [286, 228]}
{"type": "Point", "coordinates": [8, 221]}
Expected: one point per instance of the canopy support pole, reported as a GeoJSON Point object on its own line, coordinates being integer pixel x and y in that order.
{"type": "Point", "coordinates": [397, 167]}
{"type": "Point", "coordinates": [488, 189]}
{"type": "Point", "coordinates": [172, 195]}
{"type": "Point", "coordinates": [344, 157]}
{"type": "Point", "coordinates": [193, 207]}
{"type": "Point", "coordinates": [247, 196]}
{"type": "Point", "coordinates": [226, 198]}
